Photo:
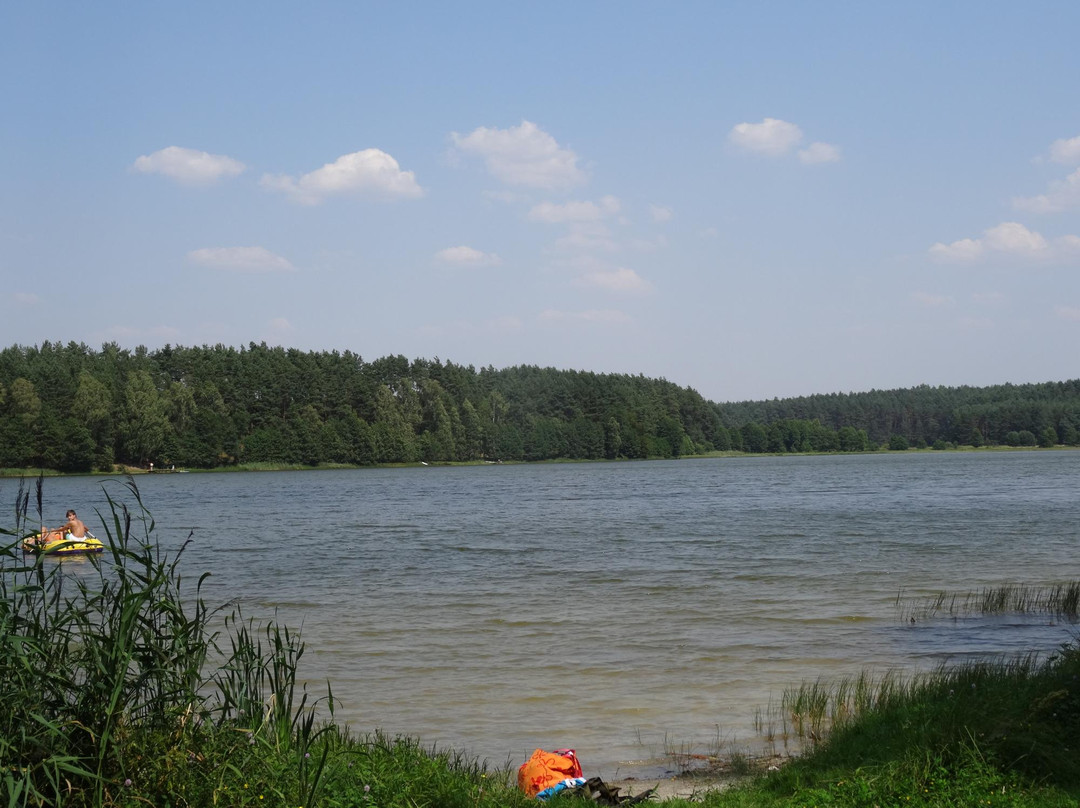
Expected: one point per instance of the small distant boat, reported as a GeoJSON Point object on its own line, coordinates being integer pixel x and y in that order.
{"type": "Point", "coordinates": [56, 542]}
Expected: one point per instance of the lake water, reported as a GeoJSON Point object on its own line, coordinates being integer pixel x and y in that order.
{"type": "Point", "coordinates": [618, 608]}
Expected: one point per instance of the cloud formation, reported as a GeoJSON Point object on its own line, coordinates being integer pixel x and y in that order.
{"type": "Point", "coordinates": [523, 155]}
{"type": "Point", "coordinates": [820, 153]}
{"type": "Point", "coordinates": [26, 298]}
{"type": "Point", "coordinates": [281, 325]}
{"type": "Point", "coordinates": [467, 256]}
{"type": "Point", "coordinates": [1009, 238]}
{"type": "Point", "coordinates": [617, 280]}
{"type": "Point", "coordinates": [240, 259]}
{"type": "Point", "coordinates": [1066, 150]}
{"type": "Point", "coordinates": [188, 166]}
{"type": "Point", "coordinates": [587, 237]}
{"type": "Point", "coordinates": [1061, 195]}
{"type": "Point", "coordinates": [370, 170]}
{"type": "Point", "coordinates": [776, 138]}
{"type": "Point", "coordinates": [772, 136]}
{"type": "Point", "coordinates": [574, 211]}
{"type": "Point", "coordinates": [660, 213]}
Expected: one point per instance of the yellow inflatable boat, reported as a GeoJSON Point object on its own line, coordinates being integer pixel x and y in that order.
{"type": "Point", "coordinates": [56, 542]}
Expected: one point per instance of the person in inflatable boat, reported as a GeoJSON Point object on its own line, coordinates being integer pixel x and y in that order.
{"type": "Point", "coordinates": [74, 528]}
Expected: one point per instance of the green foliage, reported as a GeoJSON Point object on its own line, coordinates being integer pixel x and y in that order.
{"type": "Point", "coordinates": [960, 415]}
{"type": "Point", "coordinates": [754, 438]}
{"type": "Point", "coordinates": [1026, 438]}
{"type": "Point", "coordinates": [205, 407]}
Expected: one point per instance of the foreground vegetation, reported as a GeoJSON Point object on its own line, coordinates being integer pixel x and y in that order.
{"type": "Point", "coordinates": [117, 690]}
{"type": "Point", "coordinates": [71, 408]}
{"type": "Point", "coordinates": [121, 687]}
{"type": "Point", "coordinates": [998, 733]}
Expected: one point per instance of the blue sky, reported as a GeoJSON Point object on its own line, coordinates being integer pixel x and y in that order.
{"type": "Point", "coordinates": [751, 199]}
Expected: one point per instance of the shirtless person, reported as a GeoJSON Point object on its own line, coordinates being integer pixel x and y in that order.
{"type": "Point", "coordinates": [74, 526]}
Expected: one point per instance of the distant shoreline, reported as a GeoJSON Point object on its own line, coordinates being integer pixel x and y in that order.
{"type": "Point", "coordinates": [136, 471]}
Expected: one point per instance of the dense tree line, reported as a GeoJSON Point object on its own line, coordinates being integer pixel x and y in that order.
{"type": "Point", "coordinates": [1007, 414]}
{"type": "Point", "coordinates": [72, 408]}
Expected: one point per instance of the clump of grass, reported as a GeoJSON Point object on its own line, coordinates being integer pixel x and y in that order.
{"type": "Point", "coordinates": [814, 709]}
{"type": "Point", "coordinates": [1058, 600]}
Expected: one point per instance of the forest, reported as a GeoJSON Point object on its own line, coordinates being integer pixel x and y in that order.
{"type": "Point", "coordinates": [72, 408]}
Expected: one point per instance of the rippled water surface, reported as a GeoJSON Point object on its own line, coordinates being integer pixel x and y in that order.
{"type": "Point", "coordinates": [616, 607]}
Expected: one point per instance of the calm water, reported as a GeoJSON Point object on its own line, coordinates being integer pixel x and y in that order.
{"type": "Point", "coordinates": [609, 607]}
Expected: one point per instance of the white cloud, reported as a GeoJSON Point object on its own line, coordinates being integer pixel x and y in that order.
{"type": "Point", "coordinates": [772, 136]}
{"type": "Point", "coordinates": [188, 166]}
{"type": "Point", "coordinates": [1068, 312]}
{"type": "Point", "coordinates": [1068, 244]}
{"type": "Point", "coordinates": [617, 280]}
{"type": "Point", "coordinates": [467, 256]}
{"type": "Point", "coordinates": [280, 325]}
{"type": "Point", "coordinates": [1010, 238]}
{"type": "Point", "coordinates": [369, 170]}
{"type": "Point", "coordinates": [966, 249]}
{"type": "Point", "coordinates": [820, 153]}
{"type": "Point", "coordinates": [1062, 195]}
{"type": "Point", "coordinates": [1066, 151]}
{"type": "Point", "coordinates": [930, 300]}
{"type": "Point", "coordinates": [574, 211]}
{"type": "Point", "coordinates": [523, 155]}
{"type": "Point", "coordinates": [587, 236]}
{"type": "Point", "coordinates": [776, 138]}
{"type": "Point", "coordinates": [1013, 237]}
{"type": "Point", "coordinates": [602, 316]}
{"type": "Point", "coordinates": [26, 298]}
{"type": "Point", "coordinates": [661, 213]}
{"type": "Point", "coordinates": [989, 298]}
{"type": "Point", "coordinates": [240, 259]}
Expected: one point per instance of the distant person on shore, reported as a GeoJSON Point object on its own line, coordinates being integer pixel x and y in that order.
{"type": "Point", "coordinates": [74, 526]}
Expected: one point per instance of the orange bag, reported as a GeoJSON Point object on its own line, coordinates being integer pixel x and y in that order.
{"type": "Point", "coordinates": [545, 769]}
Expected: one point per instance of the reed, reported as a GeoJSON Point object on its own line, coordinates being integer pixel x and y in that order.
{"type": "Point", "coordinates": [1060, 600]}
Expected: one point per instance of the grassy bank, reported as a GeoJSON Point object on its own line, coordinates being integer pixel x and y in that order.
{"type": "Point", "coordinates": [1001, 733]}
{"type": "Point", "coordinates": [120, 686]}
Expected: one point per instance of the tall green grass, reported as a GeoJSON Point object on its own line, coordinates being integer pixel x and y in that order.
{"type": "Point", "coordinates": [119, 685]}
{"type": "Point", "coordinates": [1004, 732]}
{"type": "Point", "coordinates": [1057, 600]}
